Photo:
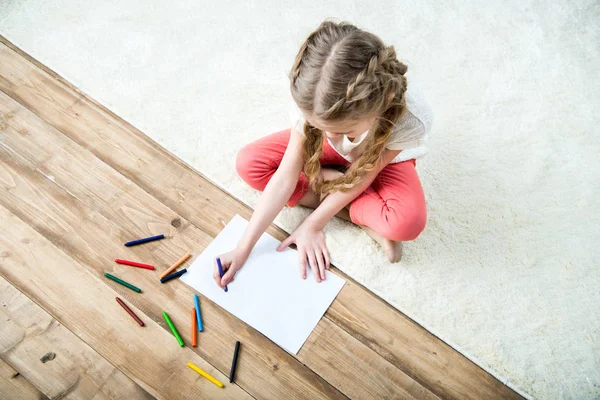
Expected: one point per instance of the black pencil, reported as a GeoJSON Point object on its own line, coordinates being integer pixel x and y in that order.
{"type": "Point", "coordinates": [234, 363]}
{"type": "Point", "coordinates": [172, 276]}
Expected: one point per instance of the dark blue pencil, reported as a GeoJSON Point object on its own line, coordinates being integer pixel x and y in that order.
{"type": "Point", "coordinates": [220, 270]}
{"type": "Point", "coordinates": [173, 276]}
{"type": "Point", "coordinates": [145, 240]}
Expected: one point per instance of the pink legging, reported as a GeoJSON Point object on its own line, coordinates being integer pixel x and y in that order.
{"type": "Point", "coordinates": [393, 206]}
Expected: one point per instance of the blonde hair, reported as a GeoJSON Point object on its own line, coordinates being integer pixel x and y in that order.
{"type": "Point", "coordinates": [342, 73]}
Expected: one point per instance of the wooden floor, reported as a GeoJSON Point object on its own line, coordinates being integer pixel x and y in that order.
{"type": "Point", "coordinates": [76, 182]}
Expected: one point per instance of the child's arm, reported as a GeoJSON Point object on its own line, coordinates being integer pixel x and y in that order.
{"type": "Point", "coordinates": [277, 192]}
{"type": "Point", "coordinates": [312, 227]}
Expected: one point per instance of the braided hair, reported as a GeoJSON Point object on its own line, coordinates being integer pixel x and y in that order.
{"type": "Point", "coordinates": [342, 73]}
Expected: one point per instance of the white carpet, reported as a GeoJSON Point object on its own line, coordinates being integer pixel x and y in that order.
{"type": "Point", "coordinates": [507, 270]}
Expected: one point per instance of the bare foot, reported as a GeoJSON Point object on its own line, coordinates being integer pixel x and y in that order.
{"type": "Point", "coordinates": [392, 249]}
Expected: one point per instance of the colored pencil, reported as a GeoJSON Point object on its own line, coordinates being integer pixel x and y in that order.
{"type": "Point", "coordinates": [198, 313]}
{"type": "Point", "coordinates": [177, 264]}
{"type": "Point", "coordinates": [122, 282]}
{"type": "Point", "coordinates": [130, 311]}
{"type": "Point", "coordinates": [234, 362]}
{"type": "Point", "coordinates": [134, 264]}
{"type": "Point", "coordinates": [173, 329]}
{"type": "Point", "coordinates": [220, 270]}
{"type": "Point", "coordinates": [204, 374]}
{"type": "Point", "coordinates": [194, 328]}
{"type": "Point", "coordinates": [145, 240]}
{"type": "Point", "coordinates": [173, 276]}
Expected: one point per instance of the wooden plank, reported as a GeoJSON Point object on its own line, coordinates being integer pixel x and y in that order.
{"type": "Point", "coordinates": [402, 341]}
{"type": "Point", "coordinates": [384, 380]}
{"type": "Point", "coordinates": [14, 386]}
{"type": "Point", "coordinates": [28, 333]}
{"type": "Point", "coordinates": [439, 367]}
{"type": "Point", "coordinates": [87, 179]}
{"type": "Point", "coordinates": [86, 305]}
{"type": "Point", "coordinates": [133, 154]}
{"type": "Point", "coordinates": [51, 189]}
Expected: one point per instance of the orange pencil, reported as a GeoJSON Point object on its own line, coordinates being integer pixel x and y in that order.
{"type": "Point", "coordinates": [194, 328]}
{"type": "Point", "coordinates": [177, 264]}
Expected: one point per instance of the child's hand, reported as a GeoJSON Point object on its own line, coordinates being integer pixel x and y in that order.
{"type": "Point", "coordinates": [231, 262]}
{"type": "Point", "coordinates": [311, 245]}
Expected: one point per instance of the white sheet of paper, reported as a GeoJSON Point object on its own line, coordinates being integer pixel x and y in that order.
{"type": "Point", "coordinates": [268, 292]}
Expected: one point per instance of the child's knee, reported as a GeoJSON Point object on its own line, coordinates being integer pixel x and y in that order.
{"type": "Point", "coordinates": [254, 167]}
{"type": "Point", "coordinates": [244, 163]}
{"type": "Point", "coordinates": [404, 225]}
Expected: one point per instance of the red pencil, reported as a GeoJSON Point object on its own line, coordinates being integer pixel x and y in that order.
{"type": "Point", "coordinates": [194, 328]}
{"type": "Point", "coordinates": [134, 264]}
{"type": "Point", "coordinates": [122, 304]}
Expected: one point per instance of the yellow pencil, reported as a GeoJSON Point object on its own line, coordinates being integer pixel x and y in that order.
{"type": "Point", "coordinates": [177, 264]}
{"type": "Point", "coordinates": [204, 374]}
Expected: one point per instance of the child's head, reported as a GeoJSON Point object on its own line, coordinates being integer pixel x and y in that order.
{"type": "Point", "coordinates": [346, 81]}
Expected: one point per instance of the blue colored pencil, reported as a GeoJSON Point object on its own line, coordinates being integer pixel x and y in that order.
{"type": "Point", "coordinates": [198, 315]}
{"type": "Point", "coordinates": [220, 270]}
{"type": "Point", "coordinates": [173, 276]}
{"type": "Point", "coordinates": [145, 240]}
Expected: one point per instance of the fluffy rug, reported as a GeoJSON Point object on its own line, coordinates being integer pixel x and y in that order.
{"type": "Point", "coordinates": [506, 271]}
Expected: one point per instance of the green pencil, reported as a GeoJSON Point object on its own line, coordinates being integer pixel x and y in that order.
{"type": "Point", "coordinates": [122, 282]}
{"type": "Point", "coordinates": [173, 329]}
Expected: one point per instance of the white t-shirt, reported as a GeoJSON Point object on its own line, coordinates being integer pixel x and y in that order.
{"type": "Point", "coordinates": [409, 135]}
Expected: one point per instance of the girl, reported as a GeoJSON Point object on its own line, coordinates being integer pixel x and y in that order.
{"type": "Point", "coordinates": [356, 131]}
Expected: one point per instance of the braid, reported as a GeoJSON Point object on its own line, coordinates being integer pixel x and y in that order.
{"type": "Point", "coordinates": [369, 70]}
{"type": "Point", "coordinates": [312, 147]}
{"type": "Point", "coordinates": [365, 76]}
{"type": "Point", "coordinates": [378, 64]}
{"type": "Point", "coordinates": [295, 72]}
{"type": "Point", "coordinates": [390, 62]}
